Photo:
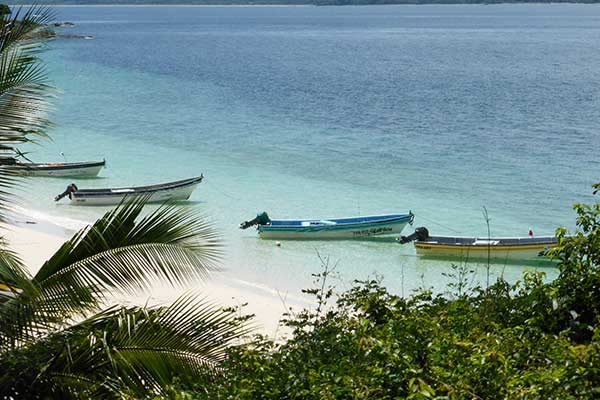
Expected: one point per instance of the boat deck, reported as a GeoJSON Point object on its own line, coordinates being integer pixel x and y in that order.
{"type": "Point", "coordinates": [139, 189]}
{"type": "Point", "coordinates": [337, 221]}
{"type": "Point", "coordinates": [484, 241]}
{"type": "Point", "coordinates": [60, 165]}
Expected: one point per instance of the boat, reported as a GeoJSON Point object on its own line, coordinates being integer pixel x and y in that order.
{"type": "Point", "coordinates": [54, 169]}
{"type": "Point", "coordinates": [8, 292]}
{"type": "Point", "coordinates": [499, 248]}
{"type": "Point", "coordinates": [329, 228]}
{"type": "Point", "coordinates": [170, 191]}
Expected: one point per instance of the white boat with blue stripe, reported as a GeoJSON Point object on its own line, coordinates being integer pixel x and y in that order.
{"type": "Point", "coordinates": [330, 228]}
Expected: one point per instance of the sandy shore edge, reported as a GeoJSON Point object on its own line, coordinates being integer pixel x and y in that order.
{"type": "Point", "coordinates": [35, 240]}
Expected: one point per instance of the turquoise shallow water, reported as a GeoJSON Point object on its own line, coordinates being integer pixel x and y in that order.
{"type": "Point", "coordinates": [336, 111]}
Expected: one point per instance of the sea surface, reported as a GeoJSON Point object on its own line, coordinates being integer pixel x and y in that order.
{"type": "Point", "coordinates": [335, 111]}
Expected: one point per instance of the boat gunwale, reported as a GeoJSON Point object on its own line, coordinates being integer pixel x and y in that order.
{"type": "Point", "coordinates": [325, 227]}
{"type": "Point", "coordinates": [482, 247]}
{"type": "Point", "coordinates": [381, 218]}
{"type": "Point", "coordinates": [543, 241]}
{"type": "Point", "coordinates": [56, 166]}
{"type": "Point", "coordinates": [138, 189]}
{"type": "Point", "coordinates": [491, 238]}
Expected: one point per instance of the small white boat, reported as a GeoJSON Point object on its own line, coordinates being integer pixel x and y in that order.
{"type": "Point", "coordinates": [56, 169]}
{"type": "Point", "coordinates": [329, 228]}
{"type": "Point", "coordinates": [478, 248]}
{"type": "Point", "coordinates": [171, 191]}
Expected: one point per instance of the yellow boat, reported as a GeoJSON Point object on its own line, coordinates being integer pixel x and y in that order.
{"type": "Point", "coordinates": [8, 291]}
{"type": "Point", "coordinates": [496, 248]}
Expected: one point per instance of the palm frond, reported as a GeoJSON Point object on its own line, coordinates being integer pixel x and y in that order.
{"type": "Point", "coordinates": [118, 228]}
{"type": "Point", "coordinates": [126, 269]}
{"type": "Point", "coordinates": [24, 89]}
{"type": "Point", "coordinates": [13, 273]}
{"type": "Point", "coordinates": [15, 282]}
{"type": "Point", "coordinates": [116, 254]}
{"type": "Point", "coordinates": [143, 347]}
{"type": "Point", "coordinates": [119, 253]}
{"type": "Point", "coordinates": [8, 182]}
{"type": "Point", "coordinates": [119, 351]}
{"type": "Point", "coordinates": [77, 386]}
{"type": "Point", "coordinates": [22, 25]}
{"type": "Point", "coordinates": [24, 95]}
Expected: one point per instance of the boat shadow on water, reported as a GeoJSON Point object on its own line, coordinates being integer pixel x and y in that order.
{"type": "Point", "coordinates": [72, 179]}
{"type": "Point", "coordinates": [150, 206]}
{"type": "Point", "coordinates": [89, 178]}
{"type": "Point", "coordinates": [186, 203]}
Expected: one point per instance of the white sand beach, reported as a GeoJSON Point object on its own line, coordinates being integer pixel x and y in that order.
{"type": "Point", "coordinates": [35, 240]}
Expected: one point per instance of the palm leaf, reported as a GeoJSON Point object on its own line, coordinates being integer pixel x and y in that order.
{"type": "Point", "coordinates": [118, 228]}
{"type": "Point", "coordinates": [119, 351]}
{"type": "Point", "coordinates": [13, 274]}
{"type": "Point", "coordinates": [142, 348]}
{"type": "Point", "coordinates": [116, 254]}
{"type": "Point", "coordinates": [24, 91]}
{"type": "Point", "coordinates": [24, 96]}
{"type": "Point", "coordinates": [22, 25]}
{"type": "Point", "coordinates": [8, 181]}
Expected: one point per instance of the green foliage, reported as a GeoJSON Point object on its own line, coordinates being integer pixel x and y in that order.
{"type": "Point", "coordinates": [527, 340]}
{"type": "Point", "coordinates": [57, 338]}
{"type": "Point", "coordinates": [24, 89]}
{"type": "Point", "coordinates": [530, 339]}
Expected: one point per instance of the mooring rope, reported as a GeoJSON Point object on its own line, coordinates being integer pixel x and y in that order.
{"type": "Point", "coordinates": [437, 223]}
{"type": "Point", "coordinates": [220, 191]}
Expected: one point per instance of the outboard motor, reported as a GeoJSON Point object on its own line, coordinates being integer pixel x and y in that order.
{"type": "Point", "coordinates": [72, 188]}
{"type": "Point", "coordinates": [261, 219]}
{"type": "Point", "coordinates": [421, 233]}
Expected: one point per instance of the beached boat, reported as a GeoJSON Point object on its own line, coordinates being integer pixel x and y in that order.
{"type": "Point", "coordinates": [55, 169]}
{"type": "Point", "coordinates": [8, 292]}
{"type": "Point", "coordinates": [498, 248]}
{"type": "Point", "coordinates": [329, 228]}
{"type": "Point", "coordinates": [171, 191]}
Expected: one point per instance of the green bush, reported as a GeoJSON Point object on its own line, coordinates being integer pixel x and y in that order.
{"type": "Point", "coordinates": [527, 340]}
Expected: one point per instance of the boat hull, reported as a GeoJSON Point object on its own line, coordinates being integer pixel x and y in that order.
{"type": "Point", "coordinates": [338, 231]}
{"type": "Point", "coordinates": [496, 252]}
{"type": "Point", "coordinates": [59, 170]}
{"type": "Point", "coordinates": [105, 197]}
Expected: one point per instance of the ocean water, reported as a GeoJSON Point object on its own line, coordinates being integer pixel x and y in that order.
{"type": "Point", "coordinates": [335, 111]}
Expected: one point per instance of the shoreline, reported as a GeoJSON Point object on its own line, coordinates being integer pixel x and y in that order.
{"type": "Point", "coordinates": [35, 239]}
